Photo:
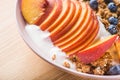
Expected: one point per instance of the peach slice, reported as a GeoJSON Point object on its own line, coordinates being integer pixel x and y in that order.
{"type": "Point", "coordinates": [75, 28]}
{"type": "Point", "coordinates": [71, 23]}
{"type": "Point", "coordinates": [85, 28]}
{"type": "Point", "coordinates": [32, 10]}
{"type": "Point", "coordinates": [64, 22]}
{"type": "Point", "coordinates": [66, 7]}
{"type": "Point", "coordinates": [52, 16]}
{"type": "Point", "coordinates": [86, 41]}
{"type": "Point", "coordinates": [96, 50]}
{"type": "Point", "coordinates": [78, 41]}
{"type": "Point", "coordinates": [48, 10]}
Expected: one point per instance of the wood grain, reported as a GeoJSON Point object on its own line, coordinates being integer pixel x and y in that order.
{"type": "Point", "coordinates": [17, 61]}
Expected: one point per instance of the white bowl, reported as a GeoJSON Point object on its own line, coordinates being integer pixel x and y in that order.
{"type": "Point", "coordinates": [33, 46]}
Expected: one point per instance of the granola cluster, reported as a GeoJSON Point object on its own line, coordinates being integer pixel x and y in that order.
{"type": "Point", "coordinates": [99, 67]}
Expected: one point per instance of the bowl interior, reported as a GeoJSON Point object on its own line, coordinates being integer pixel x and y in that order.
{"type": "Point", "coordinates": [21, 27]}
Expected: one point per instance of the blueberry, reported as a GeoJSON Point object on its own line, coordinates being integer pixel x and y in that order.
{"type": "Point", "coordinates": [113, 20]}
{"type": "Point", "coordinates": [112, 29]}
{"type": "Point", "coordinates": [108, 1]}
{"type": "Point", "coordinates": [112, 7]}
{"type": "Point", "coordinates": [115, 70]}
{"type": "Point", "coordinates": [94, 4]}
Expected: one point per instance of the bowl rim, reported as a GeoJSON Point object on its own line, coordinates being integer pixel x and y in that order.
{"type": "Point", "coordinates": [36, 51]}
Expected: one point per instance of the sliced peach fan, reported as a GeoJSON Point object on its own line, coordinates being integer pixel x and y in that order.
{"type": "Point", "coordinates": [72, 24]}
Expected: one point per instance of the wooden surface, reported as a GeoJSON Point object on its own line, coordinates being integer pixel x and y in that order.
{"type": "Point", "coordinates": [17, 61]}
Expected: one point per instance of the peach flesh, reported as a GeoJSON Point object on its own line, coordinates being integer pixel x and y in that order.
{"type": "Point", "coordinates": [48, 10]}
{"type": "Point", "coordinates": [52, 16]}
{"type": "Point", "coordinates": [70, 24]}
{"type": "Point", "coordinates": [66, 6]}
{"type": "Point", "coordinates": [73, 30]}
{"type": "Point", "coordinates": [82, 32]}
{"type": "Point", "coordinates": [83, 41]}
{"type": "Point", "coordinates": [63, 24]}
{"type": "Point", "coordinates": [33, 9]}
{"type": "Point", "coordinates": [85, 44]}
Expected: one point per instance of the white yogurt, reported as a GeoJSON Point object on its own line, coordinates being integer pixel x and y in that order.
{"type": "Point", "coordinates": [42, 40]}
{"type": "Point", "coordinates": [102, 31]}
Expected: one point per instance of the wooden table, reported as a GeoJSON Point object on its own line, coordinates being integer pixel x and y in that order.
{"type": "Point", "coordinates": [17, 60]}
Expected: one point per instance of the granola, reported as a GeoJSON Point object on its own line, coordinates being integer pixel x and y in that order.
{"type": "Point", "coordinates": [66, 64]}
{"type": "Point", "coordinates": [99, 67]}
{"type": "Point", "coordinates": [104, 13]}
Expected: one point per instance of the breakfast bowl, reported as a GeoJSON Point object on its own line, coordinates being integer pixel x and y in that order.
{"type": "Point", "coordinates": [47, 51]}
